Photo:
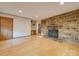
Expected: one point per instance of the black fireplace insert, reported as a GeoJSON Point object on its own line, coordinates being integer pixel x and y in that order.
{"type": "Point", "coordinates": [53, 31]}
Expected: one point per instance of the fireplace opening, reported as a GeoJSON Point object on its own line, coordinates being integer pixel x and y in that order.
{"type": "Point", "coordinates": [53, 31]}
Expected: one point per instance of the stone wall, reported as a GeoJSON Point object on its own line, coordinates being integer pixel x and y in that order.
{"type": "Point", "coordinates": [67, 23]}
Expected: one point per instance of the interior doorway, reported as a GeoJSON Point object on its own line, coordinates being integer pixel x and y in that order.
{"type": "Point", "coordinates": [39, 29]}
{"type": "Point", "coordinates": [35, 27]}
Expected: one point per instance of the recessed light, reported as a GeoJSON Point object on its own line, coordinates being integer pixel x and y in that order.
{"type": "Point", "coordinates": [36, 16]}
{"type": "Point", "coordinates": [20, 11]}
{"type": "Point", "coordinates": [61, 3]}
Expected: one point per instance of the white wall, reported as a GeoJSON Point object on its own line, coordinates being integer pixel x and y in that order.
{"type": "Point", "coordinates": [21, 27]}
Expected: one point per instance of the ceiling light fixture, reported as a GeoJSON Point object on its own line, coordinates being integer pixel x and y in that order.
{"type": "Point", "coordinates": [36, 16]}
{"type": "Point", "coordinates": [20, 11]}
{"type": "Point", "coordinates": [61, 3]}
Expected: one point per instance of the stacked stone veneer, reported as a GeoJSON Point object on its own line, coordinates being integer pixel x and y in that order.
{"type": "Point", "coordinates": [67, 23]}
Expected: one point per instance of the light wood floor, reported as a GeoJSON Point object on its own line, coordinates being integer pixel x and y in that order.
{"type": "Point", "coordinates": [37, 46]}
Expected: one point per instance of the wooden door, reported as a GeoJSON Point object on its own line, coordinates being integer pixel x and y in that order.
{"type": "Point", "coordinates": [33, 32]}
{"type": "Point", "coordinates": [9, 26]}
{"type": "Point", "coordinates": [6, 28]}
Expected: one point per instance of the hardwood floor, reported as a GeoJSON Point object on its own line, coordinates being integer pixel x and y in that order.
{"type": "Point", "coordinates": [37, 46]}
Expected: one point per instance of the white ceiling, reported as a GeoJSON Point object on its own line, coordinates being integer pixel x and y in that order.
{"type": "Point", "coordinates": [41, 9]}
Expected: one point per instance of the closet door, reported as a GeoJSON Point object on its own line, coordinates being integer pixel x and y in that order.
{"type": "Point", "coordinates": [6, 28]}
{"type": "Point", "coordinates": [9, 26]}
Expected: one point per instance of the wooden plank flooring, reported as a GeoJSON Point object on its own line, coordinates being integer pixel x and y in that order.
{"type": "Point", "coordinates": [37, 46]}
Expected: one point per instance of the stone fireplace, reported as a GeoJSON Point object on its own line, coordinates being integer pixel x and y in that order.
{"type": "Point", "coordinates": [64, 26]}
